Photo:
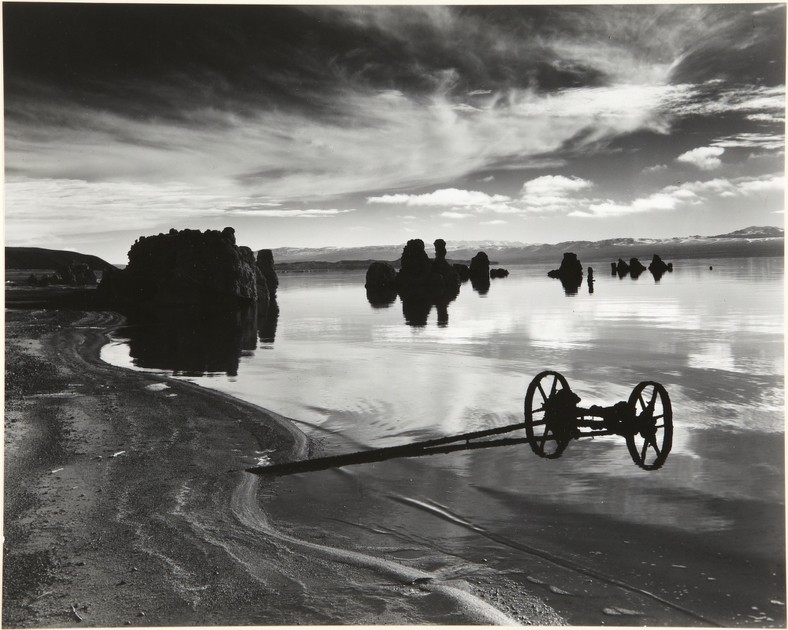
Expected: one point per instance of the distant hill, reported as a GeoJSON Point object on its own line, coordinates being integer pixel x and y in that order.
{"type": "Point", "coordinates": [751, 241]}
{"type": "Point", "coordinates": [40, 258]}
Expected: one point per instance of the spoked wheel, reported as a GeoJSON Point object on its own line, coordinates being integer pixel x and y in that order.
{"type": "Point", "coordinates": [652, 436]}
{"type": "Point", "coordinates": [544, 424]}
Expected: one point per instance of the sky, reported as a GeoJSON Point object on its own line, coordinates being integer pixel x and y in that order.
{"type": "Point", "coordinates": [352, 125]}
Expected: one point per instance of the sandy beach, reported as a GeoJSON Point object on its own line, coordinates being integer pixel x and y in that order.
{"type": "Point", "coordinates": [120, 510]}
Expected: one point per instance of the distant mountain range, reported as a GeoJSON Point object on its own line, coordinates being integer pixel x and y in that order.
{"type": "Point", "coordinates": [751, 241]}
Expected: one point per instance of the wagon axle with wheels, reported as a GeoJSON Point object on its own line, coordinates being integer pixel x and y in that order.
{"type": "Point", "coordinates": [552, 419]}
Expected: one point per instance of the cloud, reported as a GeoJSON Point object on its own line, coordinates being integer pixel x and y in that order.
{"type": "Point", "coordinates": [656, 168]}
{"type": "Point", "coordinates": [753, 140]}
{"type": "Point", "coordinates": [455, 215]}
{"type": "Point", "coordinates": [556, 185]}
{"type": "Point", "coordinates": [686, 196]}
{"type": "Point", "coordinates": [75, 207]}
{"type": "Point", "coordinates": [310, 213]}
{"type": "Point", "coordinates": [704, 158]}
{"type": "Point", "coordinates": [444, 197]}
{"type": "Point", "coordinates": [405, 98]}
{"type": "Point", "coordinates": [489, 178]}
{"type": "Point", "coordinates": [493, 222]}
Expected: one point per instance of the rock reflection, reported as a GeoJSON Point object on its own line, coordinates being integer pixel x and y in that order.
{"type": "Point", "coordinates": [267, 320]}
{"type": "Point", "coordinates": [196, 342]}
{"type": "Point", "coordinates": [381, 298]}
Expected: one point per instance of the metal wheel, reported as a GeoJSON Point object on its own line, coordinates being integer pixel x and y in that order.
{"type": "Point", "coordinates": [651, 437]}
{"type": "Point", "coordinates": [544, 425]}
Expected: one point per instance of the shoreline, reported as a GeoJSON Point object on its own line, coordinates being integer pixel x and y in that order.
{"type": "Point", "coordinates": [120, 510]}
{"type": "Point", "coordinates": [88, 447]}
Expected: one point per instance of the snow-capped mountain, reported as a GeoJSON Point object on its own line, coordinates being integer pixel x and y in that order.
{"type": "Point", "coordinates": [750, 241]}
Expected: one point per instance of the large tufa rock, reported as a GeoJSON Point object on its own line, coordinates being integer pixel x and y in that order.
{"type": "Point", "coordinates": [480, 266]}
{"type": "Point", "coordinates": [570, 273]}
{"type": "Point", "coordinates": [415, 266]}
{"type": "Point", "coordinates": [570, 268]}
{"type": "Point", "coordinates": [265, 262]}
{"type": "Point", "coordinates": [187, 267]}
{"type": "Point", "coordinates": [659, 266]}
{"type": "Point", "coordinates": [381, 276]}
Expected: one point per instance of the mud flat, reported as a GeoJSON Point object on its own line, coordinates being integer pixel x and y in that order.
{"type": "Point", "coordinates": [120, 508]}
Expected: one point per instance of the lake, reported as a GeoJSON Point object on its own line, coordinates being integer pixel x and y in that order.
{"type": "Point", "coordinates": [704, 534]}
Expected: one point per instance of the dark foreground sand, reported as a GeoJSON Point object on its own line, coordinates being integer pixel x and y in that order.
{"type": "Point", "coordinates": [119, 509]}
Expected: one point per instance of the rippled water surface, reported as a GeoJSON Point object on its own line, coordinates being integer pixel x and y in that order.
{"type": "Point", "coordinates": [357, 376]}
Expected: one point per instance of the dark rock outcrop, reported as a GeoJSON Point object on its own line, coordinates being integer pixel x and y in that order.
{"type": "Point", "coordinates": [425, 279]}
{"type": "Point", "coordinates": [635, 268]}
{"type": "Point", "coordinates": [188, 267]}
{"type": "Point", "coordinates": [570, 273]}
{"type": "Point", "coordinates": [499, 273]}
{"type": "Point", "coordinates": [381, 276]}
{"type": "Point", "coordinates": [658, 267]}
{"type": "Point", "coordinates": [463, 271]}
{"type": "Point", "coordinates": [636, 265]}
{"type": "Point", "coordinates": [570, 268]}
{"type": "Point", "coordinates": [622, 268]}
{"type": "Point", "coordinates": [480, 266]}
{"type": "Point", "coordinates": [265, 263]}
{"type": "Point", "coordinates": [381, 284]}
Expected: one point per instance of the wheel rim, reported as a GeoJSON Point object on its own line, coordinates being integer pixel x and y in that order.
{"type": "Point", "coordinates": [544, 435]}
{"type": "Point", "coordinates": [652, 434]}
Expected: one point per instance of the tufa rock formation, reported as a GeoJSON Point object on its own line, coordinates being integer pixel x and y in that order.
{"type": "Point", "coordinates": [265, 263]}
{"type": "Point", "coordinates": [189, 267]}
{"type": "Point", "coordinates": [499, 273]}
{"type": "Point", "coordinates": [381, 276]}
{"type": "Point", "coordinates": [570, 273]}
{"type": "Point", "coordinates": [635, 268]}
{"type": "Point", "coordinates": [463, 271]}
{"type": "Point", "coordinates": [622, 268]}
{"type": "Point", "coordinates": [423, 283]}
{"type": "Point", "coordinates": [658, 267]}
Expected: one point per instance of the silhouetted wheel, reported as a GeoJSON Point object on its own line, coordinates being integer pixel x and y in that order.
{"type": "Point", "coordinates": [545, 426]}
{"type": "Point", "coordinates": [652, 436]}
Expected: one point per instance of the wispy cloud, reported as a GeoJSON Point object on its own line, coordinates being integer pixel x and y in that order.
{"type": "Point", "coordinates": [752, 140]}
{"type": "Point", "coordinates": [687, 195]}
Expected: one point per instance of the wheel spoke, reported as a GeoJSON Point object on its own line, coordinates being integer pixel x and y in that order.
{"type": "Point", "coordinates": [541, 391]}
{"type": "Point", "coordinates": [643, 451]}
{"type": "Point", "coordinates": [656, 448]}
{"type": "Point", "coordinates": [555, 383]}
{"type": "Point", "coordinates": [642, 402]}
{"type": "Point", "coordinates": [662, 415]}
{"type": "Point", "coordinates": [653, 399]}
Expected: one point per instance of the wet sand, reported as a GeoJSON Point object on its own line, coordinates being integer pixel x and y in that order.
{"type": "Point", "coordinates": [120, 510]}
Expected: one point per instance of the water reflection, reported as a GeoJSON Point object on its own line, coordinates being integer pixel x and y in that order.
{"type": "Point", "coordinates": [267, 320]}
{"type": "Point", "coordinates": [481, 284]}
{"type": "Point", "coordinates": [381, 298]}
{"type": "Point", "coordinates": [195, 342]}
{"type": "Point", "coordinates": [571, 285]}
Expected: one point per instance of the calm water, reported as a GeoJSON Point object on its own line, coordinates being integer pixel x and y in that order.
{"type": "Point", "coordinates": [355, 377]}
